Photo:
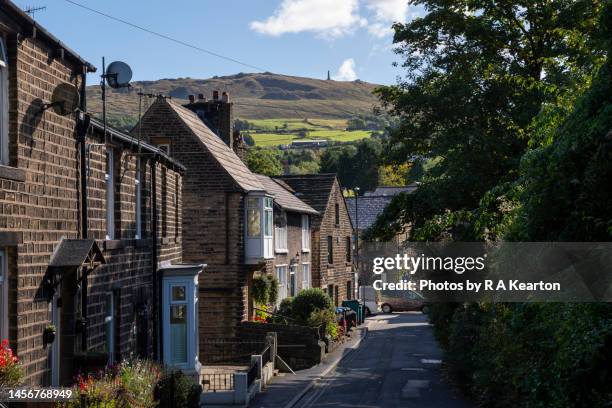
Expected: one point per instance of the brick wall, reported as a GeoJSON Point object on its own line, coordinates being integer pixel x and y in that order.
{"type": "Point", "coordinates": [40, 205]}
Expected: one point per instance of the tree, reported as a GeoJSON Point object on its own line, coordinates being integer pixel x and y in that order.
{"type": "Point", "coordinates": [478, 72]}
{"type": "Point", "coordinates": [356, 165]}
{"type": "Point", "coordinates": [264, 161]}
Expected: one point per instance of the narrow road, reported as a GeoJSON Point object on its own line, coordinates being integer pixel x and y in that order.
{"type": "Point", "coordinates": [397, 365]}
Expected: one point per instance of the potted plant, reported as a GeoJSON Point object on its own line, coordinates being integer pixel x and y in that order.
{"type": "Point", "coordinates": [49, 334]}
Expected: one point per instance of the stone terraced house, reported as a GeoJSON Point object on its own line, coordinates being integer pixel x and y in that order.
{"type": "Point", "coordinates": [332, 234]}
{"type": "Point", "coordinates": [236, 222]}
{"type": "Point", "coordinates": [90, 223]}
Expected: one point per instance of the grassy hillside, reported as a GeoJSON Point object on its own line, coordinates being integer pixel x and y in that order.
{"type": "Point", "coordinates": [255, 96]}
{"type": "Point", "coordinates": [273, 132]}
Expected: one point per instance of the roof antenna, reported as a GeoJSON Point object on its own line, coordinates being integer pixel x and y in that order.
{"type": "Point", "coordinates": [31, 10]}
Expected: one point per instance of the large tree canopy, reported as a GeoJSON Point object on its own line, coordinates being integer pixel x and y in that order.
{"type": "Point", "coordinates": [477, 74]}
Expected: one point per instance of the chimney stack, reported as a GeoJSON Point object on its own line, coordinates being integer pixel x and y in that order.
{"type": "Point", "coordinates": [191, 98]}
{"type": "Point", "coordinates": [215, 95]}
{"type": "Point", "coordinates": [217, 113]}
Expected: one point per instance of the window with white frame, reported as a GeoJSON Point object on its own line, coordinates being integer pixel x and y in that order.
{"type": "Point", "coordinates": [4, 103]}
{"type": "Point", "coordinates": [268, 225]}
{"type": "Point", "coordinates": [138, 215]}
{"type": "Point", "coordinates": [3, 296]}
{"type": "Point", "coordinates": [305, 233]}
{"type": "Point", "coordinates": [281, 275]}
{"type": "Point", "coordinates": [305, 275]}
{"type": "Point", "coordinates": [259, 228]}
{"type": "Point", "coordinates": [110, 195]}
{"type": "Point", "coordinates": [280, 231]}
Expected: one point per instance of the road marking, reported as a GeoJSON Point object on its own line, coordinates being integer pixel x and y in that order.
{"type": "Point", "coordinates": [430, 361]}
{"type": "Point", "coordinates": [413, 369]}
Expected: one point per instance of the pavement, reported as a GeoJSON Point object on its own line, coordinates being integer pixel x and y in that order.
{"type": "Point", "coordinates": [395, 362]}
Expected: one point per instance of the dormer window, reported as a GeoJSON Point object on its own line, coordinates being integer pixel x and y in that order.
{"type": "Point", "coordinates": [259, 228]}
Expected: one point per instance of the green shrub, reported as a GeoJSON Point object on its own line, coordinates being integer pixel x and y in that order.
{"type": "Point", "coordinates": [530, 355]}
{"type": "Point", "coordinates": [176, 390]}
{"type": "Point", "coordinates": [309, 300]}
{"type": "Point", "coordinates": [260, 290]}
{"type": "Point", "coordinates": [273, 284]}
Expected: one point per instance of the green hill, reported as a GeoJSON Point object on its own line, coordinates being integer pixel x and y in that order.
{"type": "Point", "coordinates": [255, 96]}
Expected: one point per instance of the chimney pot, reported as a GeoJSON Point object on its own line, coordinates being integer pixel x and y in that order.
{"type": "Point", "coordinates": [191, 98]}
{"type": "Point", "coordinates": [201, 97]}
{"type": "Point", "coordinates": [216, 95]}
{"type": "Point", "coordinates": [225, 97]}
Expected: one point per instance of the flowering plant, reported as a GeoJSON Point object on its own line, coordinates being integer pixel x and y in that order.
{"type": "Point", "coordinates": [11, 372]}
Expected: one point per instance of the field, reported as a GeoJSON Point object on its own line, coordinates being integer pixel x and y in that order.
{"type": "Point", "coordinates": [273, 132]}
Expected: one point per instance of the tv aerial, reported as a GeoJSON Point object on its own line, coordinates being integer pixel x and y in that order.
{"type": "Point", "coordinates": [117, 75]}
{"type": "Point", "coordinates": [65, 99]}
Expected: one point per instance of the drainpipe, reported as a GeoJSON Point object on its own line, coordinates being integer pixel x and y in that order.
{"type": "Point", "coordinates": [157, 327]}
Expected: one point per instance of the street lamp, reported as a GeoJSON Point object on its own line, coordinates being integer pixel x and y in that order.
{"type": "Point", "coordinates": [356, 189]}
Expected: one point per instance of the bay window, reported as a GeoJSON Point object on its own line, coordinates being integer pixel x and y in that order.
{"type": "Point", "coordinates": [259, 220]}
{"type": "Point", "coordinates": [280, 232]}
{"type": "Point", "coordinates": [305, 233]}
{"type": "Point", "coordinates": [4, 104]}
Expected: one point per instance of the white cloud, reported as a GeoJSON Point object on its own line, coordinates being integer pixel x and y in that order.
{"type": "Point", "coordinates": [387, 12]}
{"type": "Point", "coordinates": [346, 72]}
{"type": "Point", "coordinates": [328, 19]}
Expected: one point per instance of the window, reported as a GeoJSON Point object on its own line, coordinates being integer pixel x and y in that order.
{"type": "Point", "coordinates": [280, 231]}
{"type": "Point", "coordinates": [281, 275]}
{"type": "Point", "coordinates": [305, 233]}
{"type": "Point", "coordinates": [3, 296]}
{"type": "Point", "coordinates": [337, 213]}
{"type": "Point", "coordinates": [330, 249]}
{"type": "Point", "coordinates": [253, 217]}
{"type": "Point", "coordinates": [164, 202]}
{"type": "Point", "coordinates": [348, 249]}
{"type": "Point", "coordinates": [305, 275]}
{"type": "Point", "coordinates": [330, 292]}
{"type": "Point", "coordinates": [4, 104]}
{"type": "Point", "coordinates": [349, 290]}
{"type": "Point", "coordinates": [138, 214]}
{"type": "Point", "coordinates": [336, 296]}
{"type": "Point", "coordinates": [292, 281]}
{"type": "Point", "coordinates": [259, 220]}
{"type": "Point", "coordinates": [178, 324]}
{"type": "Point", "coordinates": [110, 195]}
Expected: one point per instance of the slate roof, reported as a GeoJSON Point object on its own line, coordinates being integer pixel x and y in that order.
{"type": "Point", "coordinates": [283, 196]}
{"type": "Point", "coordinates": [373, 203]}
{"type": "Point", "coordinates": [73, 252]}
{"type": "Point", "coordinates": [225, 156]}
{"type": "Point", "coordinates": [369, 209]}
{"type": "Point", "coordinates": [391, 191]}
{"type": "Point", "coordinates": [313, 189]}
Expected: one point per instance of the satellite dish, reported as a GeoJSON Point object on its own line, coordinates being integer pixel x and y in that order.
{"type": "Point", "coordinates": [118, 75]}
{"type": "Point", "coordinates": [65, 99]}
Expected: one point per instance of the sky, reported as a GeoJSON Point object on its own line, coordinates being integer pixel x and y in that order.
{"type": "Point", "coordinates": [350, 38]}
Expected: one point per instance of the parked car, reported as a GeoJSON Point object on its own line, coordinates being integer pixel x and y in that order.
{"type": "Point", "coordinates": [367, 296]}
{"type": "Point", "coordinates": [403, 301]}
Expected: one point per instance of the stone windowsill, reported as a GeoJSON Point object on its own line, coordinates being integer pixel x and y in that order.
{"type": "Point", "coordinates": [305, 249]}
{"type": "Point", "coordinates": [281, 251]}
{"type": "Point", "coordinates": [111, 244]}
{"type": "Point", "coordinates": [12, 173]}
